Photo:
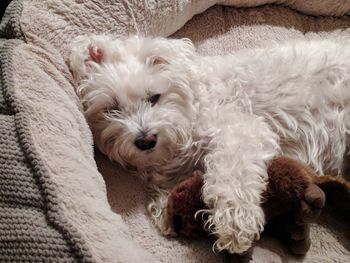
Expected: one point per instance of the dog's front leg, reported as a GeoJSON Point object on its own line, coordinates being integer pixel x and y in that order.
{"type": "Point", "coordinates": [235, 178]}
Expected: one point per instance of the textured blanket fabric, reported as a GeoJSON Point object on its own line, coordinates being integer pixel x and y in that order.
{"type": "Point", "coordinates": [31, 227]}
{"type": "Point", "coordinates": [56, 23]}
{"type": "Point", "coordinates": [43, 86]}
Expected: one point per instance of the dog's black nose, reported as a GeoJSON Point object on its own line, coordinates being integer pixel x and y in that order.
{"type": "Point", "coordinates": [146, 142]}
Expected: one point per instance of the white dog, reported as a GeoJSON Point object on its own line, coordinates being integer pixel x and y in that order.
{"type": "Point", "coordinates": [157, 107]}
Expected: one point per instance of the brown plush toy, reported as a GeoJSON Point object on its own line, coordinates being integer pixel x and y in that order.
{"type": "Point", "coordinates": [294, 198]}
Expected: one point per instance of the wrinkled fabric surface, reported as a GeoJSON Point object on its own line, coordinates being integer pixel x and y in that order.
{"type": "Point", "coordinates": [57, 22]}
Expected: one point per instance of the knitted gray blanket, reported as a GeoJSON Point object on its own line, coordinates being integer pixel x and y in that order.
{"type": "Point", "coordinates": [31, 229]}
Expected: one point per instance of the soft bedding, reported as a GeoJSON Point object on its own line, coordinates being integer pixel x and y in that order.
{"type": "Point", "coordinates": [81, 219]}
{"type": "Point", "coordinates": [27, 202]}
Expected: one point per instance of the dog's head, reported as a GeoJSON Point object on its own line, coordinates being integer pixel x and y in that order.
{"type": "Point", "coordinates": [137, 96]}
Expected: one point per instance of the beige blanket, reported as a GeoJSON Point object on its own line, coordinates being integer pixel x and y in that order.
{"type": "Point", "coordinates": [45, 87]}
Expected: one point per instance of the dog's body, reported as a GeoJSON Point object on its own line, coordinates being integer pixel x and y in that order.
{"type": "Point", "coordinates": [157, 106]}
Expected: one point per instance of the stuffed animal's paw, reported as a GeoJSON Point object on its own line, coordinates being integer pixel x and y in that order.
{"type": "Point", "coordinates": [183, 203]}
{"type": "Point", "coordinates": [337, 190]}
{"type": "Point", "coordinates": [295, 237]}
{"type": "Point", "coordinates": [308, 210]}
{"type": "Point", "coordinates": [299, 239]}
{"type": "Point", "coordinates": [310, 206]}
{"type": "Point", "coordinates": [245, 257]}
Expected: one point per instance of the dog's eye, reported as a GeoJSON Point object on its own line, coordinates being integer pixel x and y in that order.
{"type": "Point", "coordinates": [154, 99]}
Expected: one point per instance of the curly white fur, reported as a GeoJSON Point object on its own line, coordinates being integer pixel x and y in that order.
{"type": "Point", "coordinates": [228, 115]}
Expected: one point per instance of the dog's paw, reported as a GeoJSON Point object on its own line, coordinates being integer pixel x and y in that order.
{"type": "Point", "coordinates": [310, 207]}
{"type": "Point", "coordinates": [236, 227]}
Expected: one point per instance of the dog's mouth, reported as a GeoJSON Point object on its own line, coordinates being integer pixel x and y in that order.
{"type": "Point", "coordinates": [141, 162]}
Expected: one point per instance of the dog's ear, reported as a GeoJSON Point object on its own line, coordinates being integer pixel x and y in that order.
{"type": "Point", "coordinates": [96, 54]}
{"type": "Point", "coordinates": [158, 60]}
{"type": "Point", "coordinates": [86, 50]}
